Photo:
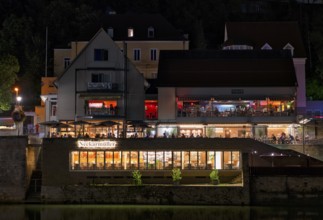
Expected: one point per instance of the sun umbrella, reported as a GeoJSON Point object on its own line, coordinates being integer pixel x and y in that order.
{"type": "Point", "coordinates": [138, 124]}
{"type": "Point", "coordinates": [61, 125]}
{"type": "Point", "coordinates": [107, 124]}
{"type": "Point", "coordinates": [54, 124]}
{"type": "Point", "coordinates": [49, 123]}
{"type": "Point", "coordinates": [82, 123]}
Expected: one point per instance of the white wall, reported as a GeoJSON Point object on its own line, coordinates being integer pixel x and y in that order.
{"type": "Point", "coordinates": [166, 103]}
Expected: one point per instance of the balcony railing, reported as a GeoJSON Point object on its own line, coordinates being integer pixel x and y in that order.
{"type": "Point", "coordinates": [196, 112]}
{"type": "Point", "coordinates": [102, 112]}
{"type": "Point", "coordinates": [99, 86]}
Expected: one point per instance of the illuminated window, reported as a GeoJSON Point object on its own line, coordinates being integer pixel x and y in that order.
{"type": "Point", "coordinates": [109, 160]}
{"type": "Point", "coordinates": [235, 160]}
{"type": "Point", "coordinates": [130, 32]}
{"type": "Point", "coordinates": [92, 160]}
{"type": "Point", "coordinates": [151, 160]}
{"type": "Point", "coordinates": [186, 160]}
{"type": "Point", "coordinates": [159, 160]}
{"type": "Point", "coordinates": [100, 160]}
{"type": "Point", "coordinates": [210, 160]}
{"type": "Point", "coordinates": [193, 159]}
{"type": "Point", "coordinates": [143, 160]}
{"type": "Point", "coordinates": [83, 160]}
{"type": "Point", "coordinates": [201, 157]}
{"type": "Point", "coordinates": [117, 160]}
{"type": "Point", "coordinates": [134, 160]}
{"type": "Point", "coordinates": [126, 160]}
{"type": "Point", "coordinates": [75, 160]}
{"type": "Point", "coordinates": [168, 160]}
{"type": "Point", "coordinates": [218, 160]}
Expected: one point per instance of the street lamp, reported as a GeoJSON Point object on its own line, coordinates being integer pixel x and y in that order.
{"type": "Point", "coordinates": [18, 99]}
{"type": "Point", "coordinates": [16, 90]}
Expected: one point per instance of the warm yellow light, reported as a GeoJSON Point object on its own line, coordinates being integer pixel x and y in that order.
{"type": "Point", "coordinates": [16, 89]}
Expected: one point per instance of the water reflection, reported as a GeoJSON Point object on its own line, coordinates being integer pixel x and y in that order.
{"type": "Point", "coordinates": [96, 212]}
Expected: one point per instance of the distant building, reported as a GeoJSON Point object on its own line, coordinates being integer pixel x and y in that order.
{"type": "Point", "coordinates": [101, 84]}
{"type": "Point", "coordinates": [271, 36]}
{"type": "Point", "coordinates": [142, 36]}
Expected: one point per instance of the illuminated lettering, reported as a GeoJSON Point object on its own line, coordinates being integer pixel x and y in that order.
{"type": "Point", "coordinates": [106, 144]}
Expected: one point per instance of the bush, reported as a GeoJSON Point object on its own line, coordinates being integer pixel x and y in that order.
{"type": "Point", "coordinates": [214, 177]}
{"type": "Point", "coordinates": [137, 177]}
{"type": "Point", "coordinates": [176, 175]}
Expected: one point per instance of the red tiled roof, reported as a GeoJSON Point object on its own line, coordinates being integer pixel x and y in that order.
{"type": "Point", "coordinates": [140, 23]}
{"type": "Point", "coordinates": [276, 34]}
{"type": "Point", "coordinates": [226, 69]}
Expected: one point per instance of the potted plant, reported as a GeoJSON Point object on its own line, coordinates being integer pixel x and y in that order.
{"type": "Point", "coordinates": [176, 175]}
{"type": "Point", "coordinates": [214, 177]}
{"type": "Point", "coordinates": [136, 175]}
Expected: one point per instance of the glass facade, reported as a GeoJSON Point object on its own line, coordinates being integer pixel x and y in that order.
{"type": "Point", "coordinates": [154, 160]}
{"type": "Point", "coordinates": [234, 108]}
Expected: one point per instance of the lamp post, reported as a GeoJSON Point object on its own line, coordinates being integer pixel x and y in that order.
{"type": "Point", "coordinates": [303, 122]}
{"type": "Point", "coordinates": [16, 90]}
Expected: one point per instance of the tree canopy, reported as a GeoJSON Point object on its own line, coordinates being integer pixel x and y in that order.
{"type": "Point", "coordinates": [9, 68]}
{"type": "Point", "coordinates": [24, 22]}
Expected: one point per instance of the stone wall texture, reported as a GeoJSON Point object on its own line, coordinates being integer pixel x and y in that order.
{"type": "Point", "coordinates": [147, 194]}
{"type": "Point", "coordinates": [12, 168]}
{"type": "Point", "coordinates": [17, 160]}
{"type": "Point", "coordinates": [287, 190]}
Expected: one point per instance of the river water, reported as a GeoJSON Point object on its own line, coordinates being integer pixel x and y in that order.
{"type": "Point", "coordinates": [143, 212]}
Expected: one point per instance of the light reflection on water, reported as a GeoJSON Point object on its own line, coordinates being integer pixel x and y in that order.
{"type": "Point", "coordinates": [134, 212]}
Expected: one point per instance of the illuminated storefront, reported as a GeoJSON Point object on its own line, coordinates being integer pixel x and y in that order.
{"type": "Point", "coordinates": [105, 155]}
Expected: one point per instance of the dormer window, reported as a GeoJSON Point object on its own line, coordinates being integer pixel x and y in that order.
{"type": "Point", "coordinates": [288, 46]}
{"type": "Point", "coordinates": [266, 47]}
{"type": "Point", "coordinates": [130, 32]}
{"type": "Point", "coordinates": [110, 32]}
{"type": "Point", "coordinates": [151, 32]}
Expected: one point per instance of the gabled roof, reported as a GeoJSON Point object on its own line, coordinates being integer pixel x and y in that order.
{"type": "Point", "coordinates": [140, 23]}
{"type": "Point", "coordinates": [78, 55]}
{"type": "Point", "coordinates": [276, 34]}
{"type": "Point", "coordinates": [247, 68]}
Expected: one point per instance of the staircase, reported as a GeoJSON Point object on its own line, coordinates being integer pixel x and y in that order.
{"type": "Point", "coordinates": [33, 195]}
{"type": "Point", "coordinates": [237, 179]}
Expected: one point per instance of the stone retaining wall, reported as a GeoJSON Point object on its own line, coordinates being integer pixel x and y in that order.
{"type": "Point", "coordinates": [13, 168]}
{"type": "Point", "coordinates": [147, 194]}
{"type": "Point", "coordinates": [286, 190]}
